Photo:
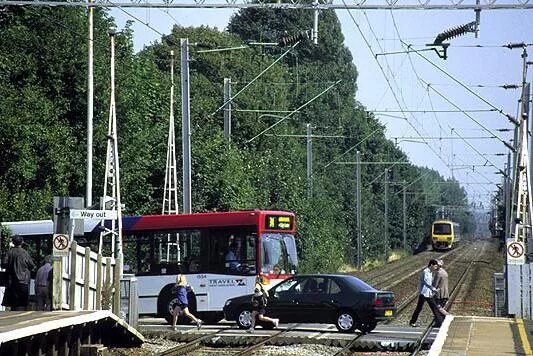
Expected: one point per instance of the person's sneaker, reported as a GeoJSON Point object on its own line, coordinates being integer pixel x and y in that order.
{"type": "Point", "coordinates": [249, 331]}
{"type": "Point", "coordinates": [174, 328]}
{"type": "Point", "coordinates": [199, 324]}
{"type": "Point", "coordinates": [414, 325]}
{"type": "Point", "coordinates": [276, 322]}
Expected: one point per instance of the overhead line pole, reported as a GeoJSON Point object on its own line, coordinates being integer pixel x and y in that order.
{"type": "Point", "coordinates": [186, 122]}
{"type": "Point", "coordinates": [359, 209]}
{"type": "Point", "coordinates": [90, 110]}
{"type": "Point", "coordinates": [309, 162]}
{"type": "Point", "coordinates": [386, 215]}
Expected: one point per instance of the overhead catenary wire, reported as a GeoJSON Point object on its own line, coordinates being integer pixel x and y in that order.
{"type": "Point", "coordinates": [509, 117]}
{"type": "Point", "coordinates": [257, 77]}
{"type": "Point", "coordinates": [384, 74]}
{"type": "Point", "coordinates": [294, 111]}
{"type": "Point", "coordinates": [429, 96]}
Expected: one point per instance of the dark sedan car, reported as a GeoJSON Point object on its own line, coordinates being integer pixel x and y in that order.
{"type": "Point", "coordinates": [343, 300]}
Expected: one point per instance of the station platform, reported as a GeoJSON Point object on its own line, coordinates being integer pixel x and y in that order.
{"type": "Point", "coordinates": [62, 332]}
{"type": "Point", "coordinates": [481, 336]}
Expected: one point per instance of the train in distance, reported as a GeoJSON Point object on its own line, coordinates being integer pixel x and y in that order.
{"type": "Point", "coordinates": [445, 234]}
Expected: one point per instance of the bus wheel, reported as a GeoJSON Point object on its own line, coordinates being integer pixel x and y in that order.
{"type": "Point", "coordinates": [166, 301]}
{"type": "Point", "coordinates": [244, 318]}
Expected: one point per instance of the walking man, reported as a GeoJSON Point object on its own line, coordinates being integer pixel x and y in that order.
{"type": "Point", "coordinates": [440, 281]}
{"type": "Point", "coordinates": [42, 284]}
{"type": "Point", "coordinates": [18, 267]}
{"type": "Point", "coordinates": [426, 291]}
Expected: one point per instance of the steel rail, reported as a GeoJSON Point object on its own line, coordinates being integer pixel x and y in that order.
{"type": "Point", "coordinates": [190, 346]}
{"type": "Point", "coordinates": [260, 344]}
{"type": "Point", "coordinates": [412, 297]}
{"type": "Point", "coordinates": [347, 349]}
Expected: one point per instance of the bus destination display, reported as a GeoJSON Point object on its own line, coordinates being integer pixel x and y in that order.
{"type": "Point", "coordinates": [277, 222]}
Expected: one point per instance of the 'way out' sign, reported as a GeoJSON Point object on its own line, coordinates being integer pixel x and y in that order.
{"type": "Point", "coordinates": [93, 214]}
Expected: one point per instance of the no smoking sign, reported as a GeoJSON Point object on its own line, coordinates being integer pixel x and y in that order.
{"type": "Point", "coordinates": [60, 244]}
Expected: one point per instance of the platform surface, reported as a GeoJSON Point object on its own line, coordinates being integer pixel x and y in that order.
{"type": "Point", "coordinates": [482, 336]}
{"type": "Point", "coordinates": [20, 324]}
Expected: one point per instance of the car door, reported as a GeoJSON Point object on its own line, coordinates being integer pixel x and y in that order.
{"type": "Point", "coordinates": [282, 301]}
{"type": "Point", "coordinates": [313, 302]}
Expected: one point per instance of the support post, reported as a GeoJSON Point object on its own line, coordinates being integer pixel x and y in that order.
{"type": "Point", "coordinates": [99, 272]}
{"type": "Point", "coordinates": [72, 275]}
{"type": "Point", "coordinates": [57, 280]}
{"type": "Point", "coordinates": [86, 278]}
{"type": "Point", "coordinates": [309, 162]}
{"type": "Point", "coordinates": [386, 242]}
{"type": "Point", "coordinates": [358, 209]}
{"type": "Point", "coordinates": [404, 216]}
{"type": "Point", "coordinates": [90, 110]}
{"type": "Point", "coordinates": [185, 128]}
{"type": "Point", "coordinates": [227, 109]}
{"type": "Point", "coordinates": [116, 287]}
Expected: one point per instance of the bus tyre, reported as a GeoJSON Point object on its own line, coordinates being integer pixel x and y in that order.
{"type": "Point", "coordinates": [244, 318]}
{"type": "Point", "coordinates": [346, 321]}
{"type": "Point", "coordinates": [166, 301]}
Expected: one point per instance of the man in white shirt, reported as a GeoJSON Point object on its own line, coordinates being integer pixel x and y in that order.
{"type": "Point", "coordinates": [426, 294]}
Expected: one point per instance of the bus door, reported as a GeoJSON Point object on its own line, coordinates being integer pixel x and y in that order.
{"type": "Point", "coordinates": [233, 266]}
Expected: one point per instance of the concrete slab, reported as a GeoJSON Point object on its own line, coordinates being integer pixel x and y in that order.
{"type": "Point", "coordinates": [481, 336]}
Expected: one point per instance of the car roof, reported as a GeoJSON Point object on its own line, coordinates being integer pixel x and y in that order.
{"type": "Point", "coordinates": [348, 278]}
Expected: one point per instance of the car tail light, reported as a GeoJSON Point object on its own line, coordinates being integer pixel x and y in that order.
{"type": "Point", "coordinates": [378, 302]}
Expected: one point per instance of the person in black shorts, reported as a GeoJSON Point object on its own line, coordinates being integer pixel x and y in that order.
{"type": "Point", "coordinates": [259, 304]}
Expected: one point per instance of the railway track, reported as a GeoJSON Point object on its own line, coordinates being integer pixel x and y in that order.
{"type": "Point", "coordinates": [267, 340]}
{"type": "Point", "coordinates": [191, 345]}
{"type": "Point", "coordinates": [412, 296]}
{"type": "Point", "coordinates": [459, 263]}
{"type": "Point", "coordinates": [458, 286]}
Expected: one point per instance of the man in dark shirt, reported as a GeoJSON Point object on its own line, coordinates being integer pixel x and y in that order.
{"type": "Point", "coordinates": [19, 265]}
{"type": "Point", "coordinates": [42, 284]}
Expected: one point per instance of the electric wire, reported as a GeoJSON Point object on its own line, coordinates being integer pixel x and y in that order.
{"type": "Point", "coordinates": [462, 84]}
{"type": "Point", "coordinates": [253, 80]}
{"type": "Point", "coordinates": [294, 111]}
{"type": "Point", "coordinates": [384, 74]}
{"type": "Point", "coordinates": [431, 102]}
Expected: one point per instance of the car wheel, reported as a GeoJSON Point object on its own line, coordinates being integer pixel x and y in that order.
{"type": "Point", "coordinates": [367, 327]}
{"type": "Point", "coordinates": [346, 321]}
{"type": "Point", "coordinates": [244, 318]}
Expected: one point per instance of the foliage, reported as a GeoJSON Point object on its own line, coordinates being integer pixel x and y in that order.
{"type": "Point", "coordinates": [43, 126]}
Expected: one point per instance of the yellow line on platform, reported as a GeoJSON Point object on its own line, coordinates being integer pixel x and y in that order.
{"type": "Point", "coordinates": [523, 337]}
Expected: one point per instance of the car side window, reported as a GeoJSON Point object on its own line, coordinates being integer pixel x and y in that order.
{"type": "Point", "coordinates": [334, 287]}
{"type": "Point", "coordinates": [323, 286]}
{"type": "Point", "coordinates": [285, 286]}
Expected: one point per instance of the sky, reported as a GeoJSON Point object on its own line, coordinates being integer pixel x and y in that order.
{"type": "Point", "coordinates": [400, 88]}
